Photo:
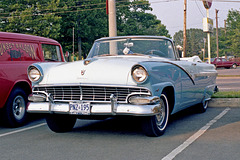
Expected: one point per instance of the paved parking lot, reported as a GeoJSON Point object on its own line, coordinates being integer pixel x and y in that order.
{"type": "Point", "coordinates": [213, 135]}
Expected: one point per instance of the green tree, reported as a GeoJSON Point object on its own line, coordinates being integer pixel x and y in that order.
{"type": "Point", "coordinates": [232, 40]}
{"type": "Point", "coordinates": [133, 20]}
{"type": "Point", "coordinates": [57, 18]}
{"type": "Point", "coordinates": [195, 41]}
{"type": "Point", "coordinates": [30, 17]}
{"type": "Point", "coordinates": [90, 21]}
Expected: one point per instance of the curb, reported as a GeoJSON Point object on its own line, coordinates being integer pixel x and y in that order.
{"type": "Point", "coordinates": [224, 102]}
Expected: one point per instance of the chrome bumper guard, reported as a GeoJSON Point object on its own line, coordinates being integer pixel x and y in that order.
{"type": "Point", "coordinates": [112, 108]}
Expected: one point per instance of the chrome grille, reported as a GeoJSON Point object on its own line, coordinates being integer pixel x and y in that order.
{"type": "Point", "coordinates": [90, 93]}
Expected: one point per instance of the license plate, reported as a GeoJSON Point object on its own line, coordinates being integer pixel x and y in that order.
{"type": "Point", "coordinates": [79, 108]}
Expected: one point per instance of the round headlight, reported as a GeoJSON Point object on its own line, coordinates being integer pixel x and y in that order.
{"type": "Point", "coordinates": [139, 74]}
{"type": "Point", "coordinates": [34, 74]}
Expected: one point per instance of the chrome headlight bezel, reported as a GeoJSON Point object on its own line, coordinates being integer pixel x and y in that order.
{"type": "Point", "coordinates": [139, 74]}
{"type": "Point", "coordinates": [34, 74]}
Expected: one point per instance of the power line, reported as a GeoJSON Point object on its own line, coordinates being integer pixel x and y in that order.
{"type": "Point", "coordinates": [89, 5]}
{"type": "Point", "coordinates": [68, 11]}
{"type": "Point", "coordinates": [199, 8]}
{"type": "Point", "coordinates": [78, 6]}
{"type": "Point", "coordinates": [232, 1]}
{"type": "Point", "coordinates": [69, 7]}
{"type": "Point", "coordinates": [86, 5]}
{"type": "Point", "coordinates": [163, 1]}
{"type": "Point", "coordinates": [94, 4]}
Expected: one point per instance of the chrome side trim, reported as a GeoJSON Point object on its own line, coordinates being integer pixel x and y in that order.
{"type": "Point", "coordinates": [201, 74]}
{"type": "Point", "coordinates": [189, 75]}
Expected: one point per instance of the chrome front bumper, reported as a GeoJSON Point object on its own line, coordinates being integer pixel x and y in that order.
{"type": "Point", "coordinates": [96, 109]}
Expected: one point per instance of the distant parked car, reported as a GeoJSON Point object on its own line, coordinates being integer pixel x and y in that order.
{"type": "Point", "coordinates": [222, 62]}
{"type": "Point", "coordinates": [17, 52]}
{"type": "Point", "coordinates": [122, 76]}
{"type": "Point", "coordinates": [235, 60]}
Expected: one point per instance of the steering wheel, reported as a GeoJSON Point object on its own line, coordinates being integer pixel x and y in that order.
{"type": "Point", "coordinates": [158, 53]}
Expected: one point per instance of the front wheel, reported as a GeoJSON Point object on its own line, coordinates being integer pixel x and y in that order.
{"type": "Point", "coordinates": [14, 112]}
{"type": "Point", "coordinates": [60, 123]}
{"type": "Point", "coordinates": [155, 126]}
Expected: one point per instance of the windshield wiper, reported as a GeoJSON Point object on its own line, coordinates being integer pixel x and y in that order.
{"type": "Point", "coordinates": [102, 55]}
{"type": "Point", "coordinates": [138, 54]}
{"type": "Point", "coordinates": [52, 60]}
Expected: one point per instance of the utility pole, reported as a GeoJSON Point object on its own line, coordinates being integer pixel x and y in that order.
{"type": "Point", "coordinates": [112, 18]}
{"type": "Point", "coordinates": [79, 40]}
{"type": "Point", "coordinates": [73, 40]}
{"type": "Point", "coordinates": [112, 25]}
{"type": "Point", "coordinates": [185, 28]}
{"type": "Point", "coordinates": [209, 45]}
{"type": "Point", "coordinates": [80, 48]}
{"type": "Point", "coordinates": [217, 32]}
{"type": "Point", "coordinates": [208, 26]}
{"type": "Point", "coordinates": [204, 48]}
{"type": "Point", "coordinates": [225, 29]}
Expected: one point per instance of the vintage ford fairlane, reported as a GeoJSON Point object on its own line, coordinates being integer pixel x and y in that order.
{"type": "Point", "coordinates": [130, 75]}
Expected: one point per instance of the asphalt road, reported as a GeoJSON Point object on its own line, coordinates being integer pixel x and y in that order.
{"type": "Point", "coordinates": [228, 83]}
{"type": "Point", "coordinates": [213, 135]}
{"type": "Point", "coordinates": [223, 71]}
{"type": "Point", "coordinates": [228, 79]}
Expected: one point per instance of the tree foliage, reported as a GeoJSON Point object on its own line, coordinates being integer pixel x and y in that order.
{"type": "Point", "coordinates": [132, 19]}
{"type": "Point", "coordinates": [232, 40]}
{"type": "Point", "coordinates": [228, 38]}
{"type": "Point", "coordinates": [84, 20]}
{"type": "Point", "coordinates": [30, 17]}
{"type": "Point", "coordinates": [195, 41]}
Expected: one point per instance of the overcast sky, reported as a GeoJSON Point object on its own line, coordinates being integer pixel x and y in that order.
{"type": "Point", "coordinates": [170, 12]}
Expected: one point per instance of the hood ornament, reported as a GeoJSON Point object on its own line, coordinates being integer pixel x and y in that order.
{"type": "Point", "coordinates": [83, 72]}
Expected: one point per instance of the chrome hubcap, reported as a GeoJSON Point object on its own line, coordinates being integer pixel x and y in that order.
{"type": "Point", "coordinates": [18, 107]}
{"type": "Point", "coordinates": [205, 104]}
{"type": "Point", "coordinates": [161, 118]}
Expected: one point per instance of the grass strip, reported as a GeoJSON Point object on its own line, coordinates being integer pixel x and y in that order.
{"type": "Point", "coordinates": [228, 75]}
{"type": "Point", "coordinates": [226, 94]}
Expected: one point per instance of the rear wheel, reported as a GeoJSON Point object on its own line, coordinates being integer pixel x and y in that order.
{"type": "Point", "coordinates": [155, 126]}
{"type": "Point", "coordinates": [202, 107]}
{"type": "Point", "coordinates": [60, 123]}
{"type": "Point", "coordinates": [234, 66]}
{"type": "Point", "coordinates": [14, 113]}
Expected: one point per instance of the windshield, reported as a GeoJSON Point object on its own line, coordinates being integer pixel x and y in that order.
{"type": "Point", "coordinates": [133, 46]}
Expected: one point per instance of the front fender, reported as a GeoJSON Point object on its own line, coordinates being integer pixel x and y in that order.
{"type": "Point", "coordinates": [43, 68]}
{"type": "Point", "coordinates": [157, 89]}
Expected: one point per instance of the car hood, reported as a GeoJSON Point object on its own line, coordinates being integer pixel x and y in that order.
{"type": "Point", "coordinates": [104, 70]}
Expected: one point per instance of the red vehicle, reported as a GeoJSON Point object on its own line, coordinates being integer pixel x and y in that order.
{"type": "Point", "coordinates": [222, 62]}
{"type": "Point", "coordinates": [236, 60]}
{"type": "Point", "coordinates": [17, 52]}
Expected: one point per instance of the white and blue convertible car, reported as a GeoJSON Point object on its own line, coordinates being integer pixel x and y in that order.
{"type": "Point", "coordinates": [130, 76]}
